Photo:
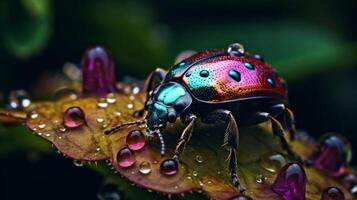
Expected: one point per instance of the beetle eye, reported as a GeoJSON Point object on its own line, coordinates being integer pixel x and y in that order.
{"type": "Point", "coordinates": [148, 103]}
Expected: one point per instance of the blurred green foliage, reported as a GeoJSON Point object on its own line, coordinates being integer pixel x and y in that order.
{"type": "Point", "coordinates": [312, 44]}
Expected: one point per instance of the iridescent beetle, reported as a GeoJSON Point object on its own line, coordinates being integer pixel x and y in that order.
{"type": "Point", "coordinates": [217, 86]}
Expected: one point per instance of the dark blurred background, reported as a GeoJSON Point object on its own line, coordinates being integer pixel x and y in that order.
{"type": "Point", "coordinates": [313, 44]}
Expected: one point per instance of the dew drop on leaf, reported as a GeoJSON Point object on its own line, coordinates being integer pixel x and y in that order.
{"type": "Point", "coordinates": [111, 98]}
{"type": "Point", "coordinates": [78, 163]}
{"type": "Point", "coordinates": [73, 117]}
{"type": "Point", "coordinates": [169, 167]}
{"type": "Point", "coordinates": [353, 190]}
{"type": "Point", "coordinates": [145, 167]}
{"type": "Point", "coordinates": [66, 93]}
{"type": "Point", "coordinates": [100, 119]}
{"type": "Point", "coordinates": [102, 103]}
{"type": "Point", "coordinates": [241, 197]}
{"type": "Point", "coordinates": [199, 159]}
{"type": "Point", "coordinates": [272, 162]}
{"type": "Point", "coordinates": [19, 99]}
{"type": "Point", "coordinates": [42, 125]}
{"type": "Point", "coordinates": [125, 157]}
{"type": "Point", "coordinates": [34, 115]}
{"type": "Point", "coordinates": [135, 90]}
{"type": "Point", "coordinates": [349, 180]}
{"type": "Point", "coordinates": [135, 140]}
{"type": "Point", "coordinates": [260, 178]}
{"type": "Point", "coordinates": [332, 193]}
{"type": "Point", "coordinates": [130, 106]}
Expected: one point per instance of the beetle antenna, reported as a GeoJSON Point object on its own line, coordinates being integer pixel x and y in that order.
{"type": "Point", "coordinates": [162, 142]}
{"type": "Point", "coordinates": [120, 126]}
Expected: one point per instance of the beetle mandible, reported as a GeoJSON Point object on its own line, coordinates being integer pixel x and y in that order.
{"type": "Point", "coordinates": [229, 86]}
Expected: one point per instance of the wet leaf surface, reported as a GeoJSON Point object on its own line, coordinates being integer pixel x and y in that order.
{"type": "Point", "coordinates": [202, 167]}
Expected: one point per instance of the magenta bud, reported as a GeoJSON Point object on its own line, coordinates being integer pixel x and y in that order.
{"type": "Point", "coordinates": [98, 72]}
{"type": "Point", "coordinates": [333, 155]}
{"type": "Point", "coordinates": [290, 183]}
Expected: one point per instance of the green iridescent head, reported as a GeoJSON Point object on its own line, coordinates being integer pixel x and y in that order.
{"type": "Point", "coordinates": [168, 101]}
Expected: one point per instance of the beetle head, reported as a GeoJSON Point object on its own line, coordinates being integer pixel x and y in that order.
{"type": "Point", "coordinates": [168, 101]}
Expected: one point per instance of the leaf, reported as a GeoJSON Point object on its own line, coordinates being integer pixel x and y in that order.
{"type": "Point", "coordinates": [202, 167]}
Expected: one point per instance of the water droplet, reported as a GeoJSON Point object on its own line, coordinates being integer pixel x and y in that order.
{"type": "Point", "coordinates": [290, 183]}
{"type": "Point", "coordinates": [332, 193]}
{"type": "Point", "coordinates": [111, 98]}
{"type": "Point", "coordinates": [78, 163]}
{"type": "Point", "coordinates": [219, 172]}
{"type": "Point", "coordinates": [62, 129]}
{"type": "Point", "coordinates": [195, 173]}
{"type": "Point", "coordinates": [102, 103]}
{"type": "Point", "coordinates": [272, 162]}
{"type": "Point", "coordinates": [110, 192]}
{"type": "Point", "coordinates": [19, 99]}
{"type": "Point", "coordinates": [260, 178]}
{"type": "Point", "coordinates": [199, 159]}
{"type": "Point", "coordinates": [236, 49]}
{"type": "Point", "coordinates": [39, 133]}
{"type": "Point", "coordinates": [189, 178]}
{"type": "Point", "coordinates": [72, 71]}
{"type": "Point", "coordinates": [169, 167]}
{"type": "Point", "coordinates": [200, 183]}
{"type": "Point", "coordinates": [125, 157]}
{"type": "Point", "coordinates": [145, 167]}
{"type": "Point", "coordinates": [118, 114]}
{"type": "Point", "coordinates": [34, 115]}
{"type": "Point", "coordinates": [42, 125]}
{"type": "Point", "coordinates": [127, 89]}
{"type": "Point", "coordinates": [73, 117]}
{"type": "Point", "coordinates": [98, 149]}
{"type": "Point", "coordinates": [333, 155]}
{"type": "Point", "coordinates": [48, 135]}
{"type": "Point", "coordinates": [135, 140]}
{"type": "Point", "coordinates": [259, 57]}
{"type": "Point", "coordinates": [66, 93]}
{"type": "Point", "coordinates": [136, 90]}
{"type": "Point", "coordinates": [353, 190]}
{"type": "Point", "coordinates": [131, 98]}
{"type": "Point", "coordinates": [241, 197]}
{"type": "Point", "coordinates": [98, 72]}
{"type": "Point", "coordinates": [130, 106]}
{"type": "Point", "coordinates": [349, 180]}
{"type": "Point", "coordinates": [100, 120]}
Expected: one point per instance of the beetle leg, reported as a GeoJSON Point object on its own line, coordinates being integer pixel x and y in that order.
{"type": "Point", "coordinates": [288, 117]}
{"type": "Point", "coordinates": [185, 136]}
{"type": "Point", "coordinates": [290, 122]}
{"type": "Point", "coordinates": [150, 86]}
{"type": "Point", "coordinates": [231, 139]}
{"type": "Point", "coordinates": [278, 130]}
